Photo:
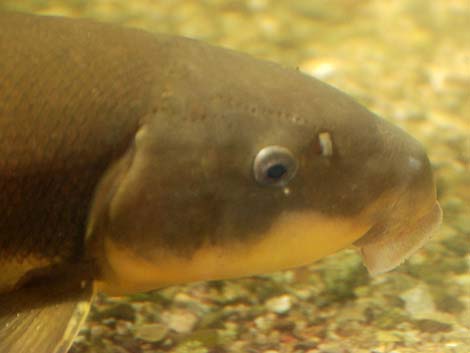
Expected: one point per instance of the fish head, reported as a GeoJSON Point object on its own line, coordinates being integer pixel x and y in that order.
{"type": "Point", "coordinates": [244, 167]}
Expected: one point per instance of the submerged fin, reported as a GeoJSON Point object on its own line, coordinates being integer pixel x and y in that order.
{"type": "Point", "coordinates": [384, 249]}
{"type": "Point", "coordinates": [44, 318]}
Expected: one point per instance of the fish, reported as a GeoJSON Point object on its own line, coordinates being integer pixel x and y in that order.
{"type": "Point", "coordinates": [132, 161]}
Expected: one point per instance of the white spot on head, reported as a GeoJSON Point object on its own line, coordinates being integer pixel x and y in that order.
{"type": "Point", "coordinates": [414, 163]}
{"type": "Point", "coordinates": [320, 69]}
{"type": "Point", "coordinates": [326, 144]}
{"type": "Point", "coordinates": [286, 191]}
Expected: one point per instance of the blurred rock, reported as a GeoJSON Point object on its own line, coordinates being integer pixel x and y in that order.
{"type": "Point", "coordinates": [279, 305]}
{"type": "Point", "coordinates": [418, 302]}
{"type": "Point", "coordinates": [180, 321]}
{"type": "Point", "coordinates": [151, 332]}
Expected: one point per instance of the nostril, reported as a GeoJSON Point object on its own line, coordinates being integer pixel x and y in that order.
{"type": "Point", "coordinates": [421, 184]}
{"type": "Point", "coordinates": [418, 163]}
{"type": "Point", "coordinates": [414, 163]}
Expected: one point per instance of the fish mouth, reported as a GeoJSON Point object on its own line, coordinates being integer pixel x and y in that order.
{"type": "Point", "coordinates": [389, 243]}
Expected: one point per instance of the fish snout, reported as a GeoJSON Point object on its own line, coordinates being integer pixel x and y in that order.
{"type": "Point", "coordinates": [412, 217]}
{"type": "Point", "coordinates": [416, 196]}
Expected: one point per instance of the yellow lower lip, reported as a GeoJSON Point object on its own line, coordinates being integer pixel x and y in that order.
{"type": "Point", "coordinates": [295, 239]}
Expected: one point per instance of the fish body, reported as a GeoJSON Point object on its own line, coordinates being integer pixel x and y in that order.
{"type": "Point", "coordinates": [130, 161]}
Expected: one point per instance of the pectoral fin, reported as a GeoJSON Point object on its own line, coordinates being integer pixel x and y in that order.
{"type": "Point", "coordinates": [43, 318]}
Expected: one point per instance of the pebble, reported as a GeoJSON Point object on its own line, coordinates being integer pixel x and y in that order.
{"type": "Point", "coordinates": [279, 305]}
{"type": "Point", "coordinates": [418, 302]}
{"type": "Point", "coordinates": [264, 323]}
{"type": "Point", "coordinates": [180, 321]}
{"type": "Point", "coordinates": [332, 347]}
{"type": "Point", "coordinates": [123, 311]}
{"type": "Point", "coordinates": [432, 326]}
{"type": "Point", "coordinates": [151, 332]}
{"type": "Point", "coordinates": [123, 327]}
{"type": "Point", "coordinates": [99, 330]}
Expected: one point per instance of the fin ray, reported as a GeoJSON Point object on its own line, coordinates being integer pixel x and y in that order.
{"type": "Point", "coordinates": [384, 249]}
{"type": "Point", "coordinates": [43, 318]}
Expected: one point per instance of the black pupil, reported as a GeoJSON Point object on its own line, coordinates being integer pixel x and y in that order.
{"type": "Point", "coordinates": [276, 171]}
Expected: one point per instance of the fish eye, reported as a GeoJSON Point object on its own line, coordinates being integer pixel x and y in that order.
{"type": "Point", "coordinates": [274, 166]}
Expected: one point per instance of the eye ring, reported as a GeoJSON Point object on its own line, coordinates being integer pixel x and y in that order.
{"type": "Point", "coordinates": [274, 166]}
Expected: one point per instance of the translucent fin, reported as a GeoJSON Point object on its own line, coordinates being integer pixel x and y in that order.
{"type": "Point", "coordinates": [43, 318]}
{"type": "Point", "coordinates": [385, 248]}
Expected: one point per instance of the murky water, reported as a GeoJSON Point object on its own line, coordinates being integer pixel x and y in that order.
{"type": "Point", "coordinates": [408, 61]}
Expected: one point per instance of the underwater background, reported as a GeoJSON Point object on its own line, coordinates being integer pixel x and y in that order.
{"type": "Point", "coordinates": [408, 61]}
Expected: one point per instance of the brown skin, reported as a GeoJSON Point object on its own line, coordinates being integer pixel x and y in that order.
{"type": "Point", "coordinates": [55, 142]}
{"type": "Point", "coordinates": [146, 144]}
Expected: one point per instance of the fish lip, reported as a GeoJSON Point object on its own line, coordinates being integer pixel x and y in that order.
{"type": "Point", "coordinates": [389, 243]}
